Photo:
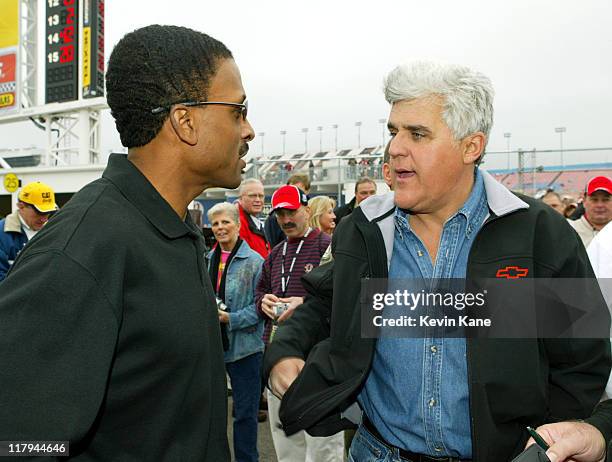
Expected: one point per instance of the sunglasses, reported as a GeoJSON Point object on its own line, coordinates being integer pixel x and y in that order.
{"type": "Point", "coordinates": [244, 107]}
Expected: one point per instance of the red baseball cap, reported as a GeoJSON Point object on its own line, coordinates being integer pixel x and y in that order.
{"type": "Point", "coordinates": [599, 183]}
{"type": "Point", "coordinates": [288, 197]}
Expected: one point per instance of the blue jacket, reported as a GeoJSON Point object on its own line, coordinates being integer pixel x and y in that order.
{"type": "Point", "coordinates": [12, 240]}
{"type": "Point", "coordinates": [245, 327]}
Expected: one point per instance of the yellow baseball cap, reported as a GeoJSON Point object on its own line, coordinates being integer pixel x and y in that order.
{"type": "Point", "coordinates": [40, 196]}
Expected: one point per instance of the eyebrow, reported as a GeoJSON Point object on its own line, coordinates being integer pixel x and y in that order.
{"type": "Point", "coordinates": [412, 128]}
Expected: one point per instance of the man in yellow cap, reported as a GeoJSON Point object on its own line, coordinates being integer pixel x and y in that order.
{"type": "Point", "coordinates": [36, 203]}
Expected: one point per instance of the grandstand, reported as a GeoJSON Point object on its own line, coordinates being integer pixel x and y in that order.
{"type": "Point", "coordinates": [570, 180]}
{"type": "Point", "coordinates": [333, 171]}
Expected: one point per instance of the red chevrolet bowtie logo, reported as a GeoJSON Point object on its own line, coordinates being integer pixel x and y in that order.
{"type": "Point", "coordinates": [512, 272]}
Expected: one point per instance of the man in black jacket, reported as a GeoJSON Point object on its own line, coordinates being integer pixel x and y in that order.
{"type": "Point", "coordinates": [364, 188]}
{"type": "Point", "coordinates": [110, 336]}
{"type": "Point", "coordinates": [435, 398]}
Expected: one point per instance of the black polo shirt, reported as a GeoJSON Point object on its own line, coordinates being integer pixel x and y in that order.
{"type": "Point", "coordinates": [109, 336]}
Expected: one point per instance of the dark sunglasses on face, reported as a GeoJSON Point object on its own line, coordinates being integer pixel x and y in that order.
{"type": "Point", "coordinates": [244, 107]}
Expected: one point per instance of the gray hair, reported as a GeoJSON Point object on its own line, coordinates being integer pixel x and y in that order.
{"type": "Point", "coordinates": [224, 207]}
{"type": "Point", "coordinates": [468, 95]}
{"type": "Point", "coordinates": [247, 182]}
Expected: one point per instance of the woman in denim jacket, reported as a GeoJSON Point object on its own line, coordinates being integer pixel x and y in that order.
{"type": "Point", "coordinates": [234, 269]}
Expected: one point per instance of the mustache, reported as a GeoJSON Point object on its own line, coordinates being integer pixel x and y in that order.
{"type": "Point", "coordinates": [289, 226]}
{"type": "Point", "coordinates": [243, 150]}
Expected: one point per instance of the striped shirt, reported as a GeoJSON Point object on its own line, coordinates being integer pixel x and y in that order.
{"type": "Point", "coordinates": [270, 281]}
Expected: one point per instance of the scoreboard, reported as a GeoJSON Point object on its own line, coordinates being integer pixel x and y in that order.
{"type": "Point", "coordinates": [61, 46]}
{"type": "Point", "coordinates": [93, 48]}
{"type": "Point", "coordinates": [63, 54]}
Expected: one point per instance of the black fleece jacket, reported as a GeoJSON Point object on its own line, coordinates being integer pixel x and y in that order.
{"type": "Point", "coordinates": [513, 382]}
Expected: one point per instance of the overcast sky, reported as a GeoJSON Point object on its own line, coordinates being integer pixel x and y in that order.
{"type": "Point", "coordinates": [318, 63]}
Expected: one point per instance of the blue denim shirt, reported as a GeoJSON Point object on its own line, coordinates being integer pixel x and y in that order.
{"type": "Point", "coordinates": [245, 327]}
{"type": "Point", "coordinates": [416, 393]}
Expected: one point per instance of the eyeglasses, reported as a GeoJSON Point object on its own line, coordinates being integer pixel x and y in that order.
{"type": "Point", "coordinates": [38, 212]}
{"type": "Point", "coordinates": [244, 107]}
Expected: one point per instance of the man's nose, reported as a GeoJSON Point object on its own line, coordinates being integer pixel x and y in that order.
{"type": "Point", "coordinates": [248, 134]}
{"type": "Point", "coordinates": [397, 146]}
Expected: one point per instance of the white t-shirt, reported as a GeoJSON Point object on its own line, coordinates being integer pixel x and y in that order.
{"type": "Point", "coordinates": [600, 255]}
{"type": "Point", "coordinates": [600, 252]}
{"type": "Point", "coordinates": [30, 233]}
{"type": "Point", "coordinates": [584, 229]}
{"type": "Point", "coordinates": [258, 223]}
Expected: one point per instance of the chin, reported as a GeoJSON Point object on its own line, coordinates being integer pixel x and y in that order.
{"type": "Point", "coordinates": [405, 200]}
{"type": "Point", "coordinates": [231, 183]}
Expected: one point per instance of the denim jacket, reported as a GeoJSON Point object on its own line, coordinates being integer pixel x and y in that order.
{"type": "Point", "coordinates": [245, 327]}
{"type": "Point", "coordinates": [12, 240]}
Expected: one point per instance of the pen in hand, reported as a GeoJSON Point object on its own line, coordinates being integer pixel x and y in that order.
{"type": "Point", "coordinates": [538, 439]}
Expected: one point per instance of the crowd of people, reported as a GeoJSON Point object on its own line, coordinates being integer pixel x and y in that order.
{"type": "Point", "coordinates": [118, 333]}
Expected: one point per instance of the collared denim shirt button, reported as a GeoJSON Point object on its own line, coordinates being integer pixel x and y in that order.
{"type": "Point", "coordinates": [432, 402]}
{"type": "Point", "coordinates": [433, 349]}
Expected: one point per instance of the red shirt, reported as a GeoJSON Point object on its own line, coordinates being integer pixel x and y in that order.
{"type": "Point", "coordinates": [251, 235]}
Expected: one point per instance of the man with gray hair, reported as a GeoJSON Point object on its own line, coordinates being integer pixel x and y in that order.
{"type": "Point", "coordinates": [435, 398]}
{"type": "Point", "coordinates": [250, 205]}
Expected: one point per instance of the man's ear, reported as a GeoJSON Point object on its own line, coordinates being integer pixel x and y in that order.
{"type": "Point", "coordinates": [183, 124]}
{"type": "Point", "coordinates": [386, 172]}
{"type": "Point", "coordinates": [474, 146]}
{"type": "Point", "coordinates": [20, 205]}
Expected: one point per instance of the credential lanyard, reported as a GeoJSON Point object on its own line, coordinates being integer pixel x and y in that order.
{"type": "Point", "coordinates": [285, 282]}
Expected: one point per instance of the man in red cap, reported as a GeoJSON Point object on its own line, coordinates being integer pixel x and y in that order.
{"type": "Point", "coordinates": [279, 292]}
{"type": "Point", "coordinates": [597, 209]}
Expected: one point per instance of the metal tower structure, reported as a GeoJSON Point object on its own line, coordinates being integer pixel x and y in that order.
{"type": "Point", "coordinates": [72, 127]}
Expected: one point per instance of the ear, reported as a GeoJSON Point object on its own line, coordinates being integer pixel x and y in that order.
{"type": "Point", "coordinates": [183, 124]}
{"type": "Point", "coordinates": [473, 147]}
{"type": "Point", "coordinates": [386, 171]}
{"type": "Point", "coordinates": [20, 205]}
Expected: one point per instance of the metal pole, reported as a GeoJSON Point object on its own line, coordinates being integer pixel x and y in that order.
{"type": "Point", "coordinates": [521, 171]}
{"type": "Point", "coordinates": [83, 134]}
{"type": "Point", "coordinates": [261, 135]}
{"type": "Point", "coordinates": [561, 131]}
{"type": "Point", "coordinates": [283, 134]}
{"type": "Point", "coordinates": [339, 183]}
{"type": "Point", "coordinates": [383, 122]}
{"type": "Point", "coordinates": [507, 135]}
{"type": "Point", "coordinates": [49, 141]}
{"type": "Point", "coordinates": [358, 125]}
{"type": "Point", "coordinates": [561, 146]}
{"type": "Point", "coordinates": [305, 132]}
{"type": "Point", "coordinates": [335, 127]}
{"type": "Point", "coordinates": [533, 171]}
{"type": "Point", "coordinates": [320, 129]}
